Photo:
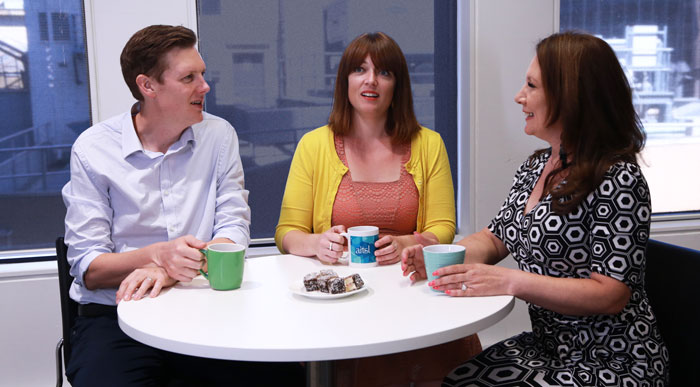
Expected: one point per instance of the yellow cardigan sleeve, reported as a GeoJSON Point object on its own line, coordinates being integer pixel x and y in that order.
{"type": "Point", "coordinates": [297, 204]}
{"type": "Point", "coordinates": [438, 191]}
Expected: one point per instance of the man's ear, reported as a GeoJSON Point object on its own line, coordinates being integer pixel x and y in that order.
{"type": "Point", "coordinates": [146, 85]}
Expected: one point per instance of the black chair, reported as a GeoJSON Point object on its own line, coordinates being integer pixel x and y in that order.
{"type": "Point", "coordinates": [69, 309]}
{"type": "Point", "coordinates": [69, 312]}
{"type": "Point", "coordinates": [672, 287]}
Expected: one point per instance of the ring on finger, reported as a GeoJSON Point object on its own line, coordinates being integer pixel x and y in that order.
{"type": "Point", "coordinates": [464, 286]}
{"type": "Point", "coordinates": [148, 279]}
{"type": "Point", "coordinates": [330, 245]}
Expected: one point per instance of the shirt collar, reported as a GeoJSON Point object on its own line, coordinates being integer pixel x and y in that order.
{"type": "Point", "coordinates": [186, 138]}
{"type": "Point", "coordinates": [131, 143]}
{"type": "Point", "coordinates": [130, 140]}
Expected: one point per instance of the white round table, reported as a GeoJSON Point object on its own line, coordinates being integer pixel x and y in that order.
{"type": "Point", "coordinates": [265, 321]}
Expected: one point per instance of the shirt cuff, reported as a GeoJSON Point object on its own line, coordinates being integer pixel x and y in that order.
{"type": "Point", "coordinates": [83, 264]}
{"type": "Point", "coordinates": [236, 236]}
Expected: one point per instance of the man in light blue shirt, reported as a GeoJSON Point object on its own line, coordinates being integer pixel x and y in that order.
{"type": "Point", "coordinates": [148, 188]}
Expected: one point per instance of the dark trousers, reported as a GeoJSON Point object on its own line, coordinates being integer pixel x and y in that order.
{"type": "Point", "coordinates": [103, 355]}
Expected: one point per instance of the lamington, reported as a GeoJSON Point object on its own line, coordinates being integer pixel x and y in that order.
{"type": "Point", "coordinates": [324, 279]}
{"type": "Point", "coordinates": [336, 285]}
{"type": "Point", "coordinates": [311, 281]}
{"type": "Point", "coordinates": [328, 281]}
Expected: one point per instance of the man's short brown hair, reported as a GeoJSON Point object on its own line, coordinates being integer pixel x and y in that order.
{"type": "Point", "coordinates": [145, 50]}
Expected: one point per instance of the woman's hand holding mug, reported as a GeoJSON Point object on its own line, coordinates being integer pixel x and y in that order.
{"type": "Point", "coordinates": [329, 247]}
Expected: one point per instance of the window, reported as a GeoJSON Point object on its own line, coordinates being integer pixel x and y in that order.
{"type": "Point", "coordinates": [61, 30]}
{"type": "Point", "coordinates": [656, 43]}
{"type": "Point", "coordinates": [45, 105]}
{"type": "Point", "coordinates": [272, 66]}
{"type": "Point", "coordinates": [43, 26]}
{"type": "Point", "coordinates": [12, 68]}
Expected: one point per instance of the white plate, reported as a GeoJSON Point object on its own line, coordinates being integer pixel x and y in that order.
{"type": "Point", "coordinates": [298, 288]}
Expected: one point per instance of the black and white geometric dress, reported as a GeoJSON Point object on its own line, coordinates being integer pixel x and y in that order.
{"type": "Point", "coordinates": [606, 234]}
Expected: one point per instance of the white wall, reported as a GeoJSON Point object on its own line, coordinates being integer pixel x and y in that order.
{"type": "Point", "coordinates": [30, 325]}
{"type": "Point", "coordinates": [497, 39]}
{"type": "Point", "coordinates": [501, 45]}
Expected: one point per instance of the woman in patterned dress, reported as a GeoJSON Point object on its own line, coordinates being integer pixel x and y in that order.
{"type": "Point", "coordinates": [373, 164]}
{"type": "Point", "coordinates": [576, 220]}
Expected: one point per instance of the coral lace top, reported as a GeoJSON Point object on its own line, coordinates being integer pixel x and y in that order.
{"type": "Point", "coordinates": [391, 206]}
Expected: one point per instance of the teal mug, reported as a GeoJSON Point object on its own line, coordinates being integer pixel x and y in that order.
{"type": "Point", "coordinates": [437, 256]}
{"type": "Point", "coordinates": [225, 262]}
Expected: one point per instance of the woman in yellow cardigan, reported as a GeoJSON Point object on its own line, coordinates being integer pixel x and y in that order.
{"type": "Point", "coordinates": [312, 185]}
{"type": "Point", "coordinates": [373, 164]}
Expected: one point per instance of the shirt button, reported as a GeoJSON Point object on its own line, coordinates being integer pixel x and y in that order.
{"type": "Point", "coordinates": [166, 193]}
{"type": "Point", "coordinates": [172, 229]}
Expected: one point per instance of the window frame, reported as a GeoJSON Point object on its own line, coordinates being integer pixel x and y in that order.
{"type": "Point", "coordinates": [46, 23]}
{"type": "Point", "coordinates": [672, 227]}
{"type": "Point", "coordinates": [475, 204]}
{"type": "Point", "coordinates": [102, 109]}
{"type": "Point", "coordinates": [445, 58]}
{"type": "Point", "coordinates": [678, 228]}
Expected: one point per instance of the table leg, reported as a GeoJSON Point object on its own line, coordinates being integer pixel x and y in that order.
{"type": "Point", "coordinates": [319, 373]}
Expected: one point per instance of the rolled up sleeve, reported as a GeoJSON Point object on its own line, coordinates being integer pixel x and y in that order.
{"type": "Point", "coordinates": [88, 216]}
{"type": "Point", "coordinates": [232, 218]}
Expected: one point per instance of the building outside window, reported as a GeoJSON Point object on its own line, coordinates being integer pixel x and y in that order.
{"type": "Point", "coordinates": [45, 105]}
{"type": "Point", "coordinates": [657, 45]}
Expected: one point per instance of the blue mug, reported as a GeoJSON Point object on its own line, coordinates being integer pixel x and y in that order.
{"type": "Point", "coordinates": [361, 248]}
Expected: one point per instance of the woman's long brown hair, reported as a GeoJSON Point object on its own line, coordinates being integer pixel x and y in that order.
{"type": "Point", "coordinates": [401, 123]}
{"type": "Point", "coordinates": [587, 91]}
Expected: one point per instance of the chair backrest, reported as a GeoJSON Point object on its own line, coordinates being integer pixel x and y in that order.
{"type": "Point", "coordinates": [69, 308]}
{"type": "Point", "coordinates": [672, 287]}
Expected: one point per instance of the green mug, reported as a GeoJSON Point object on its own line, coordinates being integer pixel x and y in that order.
{"type": "Point", "coordinates": [225, 263]}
